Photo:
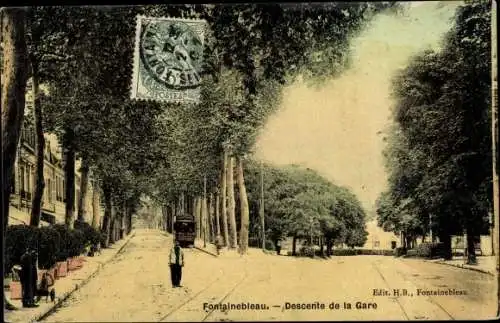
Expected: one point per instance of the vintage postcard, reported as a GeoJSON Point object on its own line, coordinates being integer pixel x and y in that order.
{"type": "Point", "coordinates": [325, 161]}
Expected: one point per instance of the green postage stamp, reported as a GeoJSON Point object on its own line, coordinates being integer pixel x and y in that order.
{"type": "Point", "coordinates": [167, 59]}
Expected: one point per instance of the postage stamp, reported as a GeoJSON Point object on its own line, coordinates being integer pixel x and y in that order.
{"type": "Point", "coordinates": [167, 59]}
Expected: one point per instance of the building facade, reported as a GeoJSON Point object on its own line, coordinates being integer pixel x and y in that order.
{"type": "Point", "coordinates": [24, 181]}
{"type": "Point", "coordinates": [379, 239]}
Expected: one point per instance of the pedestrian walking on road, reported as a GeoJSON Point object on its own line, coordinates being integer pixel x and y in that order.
{"type": "Point", "coordinates": [176, 264]}
{"type": "Point", "coordinates": [278, 246]}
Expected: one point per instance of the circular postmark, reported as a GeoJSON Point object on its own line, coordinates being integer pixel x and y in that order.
{"type": "Point", "coordinates": [172, 53]}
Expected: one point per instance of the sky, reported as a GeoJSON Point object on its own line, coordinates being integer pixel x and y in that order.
{"type": "Point", "coordinates": [338, 129]}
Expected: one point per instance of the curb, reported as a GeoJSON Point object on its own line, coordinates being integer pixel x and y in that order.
{"type": "Point", "coordinates": [61, 300]}
{"type": "Point", "coordinates": [462, 266]}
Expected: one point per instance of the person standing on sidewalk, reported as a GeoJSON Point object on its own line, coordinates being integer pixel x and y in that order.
{"type": "Point", "coordinates": [28, 278]}
{"type": "Point", "coordinates": [176, 263]}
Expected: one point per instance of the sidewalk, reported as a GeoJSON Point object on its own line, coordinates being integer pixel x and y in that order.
{"type": "Point", "coordinates": [65, 286]}
{"type": "Point", "coordinates": [485, 264]}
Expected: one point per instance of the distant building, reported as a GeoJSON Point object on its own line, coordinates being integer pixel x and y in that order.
{"type": "Point", "coordinates": [379, 239]}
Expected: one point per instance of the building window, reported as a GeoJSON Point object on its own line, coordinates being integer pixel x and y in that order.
{"type": "Point", "coordinates": [49, 190]}
{"type": "Point", "coordinates": [28, 179]}
{"type": "Point", "coordinates": [57, 188]}
{"type": "Point", "coordinates": [23, 183]}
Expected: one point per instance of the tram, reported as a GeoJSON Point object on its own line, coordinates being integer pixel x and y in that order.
{"type": "Point", "coordinates": [184, 228]}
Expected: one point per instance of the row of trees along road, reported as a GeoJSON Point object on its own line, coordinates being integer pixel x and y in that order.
{"type": "Point", "coordinates": [178, 154]}
{"type": "Point", "coordinates": [439, 149]}
{"type": "Point", "coordinates": [301, 203]}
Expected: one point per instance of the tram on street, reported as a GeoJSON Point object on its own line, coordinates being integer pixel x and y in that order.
{"type": "Point", "coordinates": [184, 228]}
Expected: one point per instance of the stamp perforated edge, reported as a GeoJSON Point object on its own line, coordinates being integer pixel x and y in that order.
{"type": "Point", "coordinates": [136, 57]}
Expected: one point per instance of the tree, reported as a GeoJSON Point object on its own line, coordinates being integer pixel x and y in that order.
{"type": "Point", "coordinates": [301, 203]}
{"type": "Point", "coordinates": [270, 43]}
{"type": "Point", "coordinates": [443, 112]}
{"type": "Point", "coordinates": [44, 46]}
{"type": "Point", "coordinates": [99, 44]}
{"type": "Point", "coordinates": [93, 121]}
{"type": "Point", "coordinates": [14, 76]}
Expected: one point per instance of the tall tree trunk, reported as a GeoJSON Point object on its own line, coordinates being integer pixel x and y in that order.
{"type": "Point", "coordinates": [69, 176]}
{"type": "Point", "coordinates": [164, 213]}
{"type": "Point", "coordinates": [471, 250]}
{"type": "Point", "coordinates": [13, 92]}
{"type": "Point", "coordinates": [233, 236]}
{"type": "Point", "coordinates": [36, 203]}
{"type": "Point", "coordinates": [112, 222]}
{"type": "Point", "coordinates": [294, 245]}
{"type": "Point", "coordinates": [224, 200]}
{"type": "Point", "coordinates": [82, 206]}
{"type": "Point", "coordinates": [211, 223]}
{"type": "Point", "coordinates": [127, 226]}
{"type": "Point", "coordinates": [204, 212]}
{"type": "Point", "coordinates": [121, 229]}
{"type": "Point", "coordinates": [106, 221]}
{"type": "Point", "coordinates": [445, 238]}
{"type": "Point", "coordinates": [115, 229]}
{"type": "Point", "coordinates": [172, 216]}
{"type": "Point", "coordinates": [96, 206]}
{"type": "Point", "coordinates": [181, 204]}
{"type": "Point", "coordinates": [329, 247]}
{"type": "Point", "coordinates": [217, 214]}
{"type": "Point", "coordinates": [198, 217]}
{"type": "Point", "coordinates": [129, 219]}
{"type": "Point", "coordinates": [244, 211]}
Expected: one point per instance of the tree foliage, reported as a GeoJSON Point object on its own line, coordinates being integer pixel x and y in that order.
{"type": "Point", "coordinates": [439, 151]}
{"type": "Point", "coordinates": [300, 202]}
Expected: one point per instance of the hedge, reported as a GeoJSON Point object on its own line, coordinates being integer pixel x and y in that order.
{"type": "Point", "coordinates": [49, 244]}
{"type": "Point", "coordinates": [365, 252]}
{"type": "Point", "coordinates": [400, 251]}
{"type": "Point", "coordinates": [257, 243]}
{"type": "Point", "coordinates": [92, 235]}
{"type": "Point", "coordinates": [77, 243]}
{"type": "Point", "coordinates": [306, 251]}
{"type": "Point", "coordinates": [54, 243]}
{"type": "Point", "coordinates": [65, 246]}
{"type": "Point", "coordinates": [427, 250]}
{"type": "Point", "coordinates": [309, 251]}
{"type": "Point", "coordinates": [17, 240]}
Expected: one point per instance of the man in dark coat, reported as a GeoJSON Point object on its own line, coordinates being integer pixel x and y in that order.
{"type": "Point", "coordinates": [176, 260]}
{"type": "Point", "coordinates": [28, 278]}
